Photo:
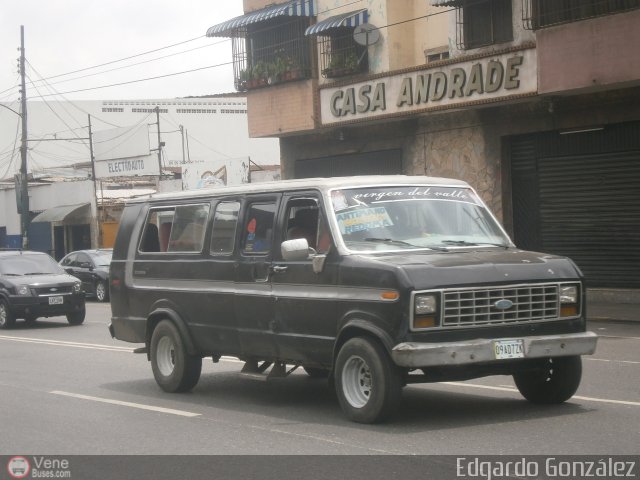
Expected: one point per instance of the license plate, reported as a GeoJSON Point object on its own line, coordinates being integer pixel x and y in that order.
{"type": "Point", "coordinates": [508, 349]}
{"type": "Point", "coordinates": [57, 300]}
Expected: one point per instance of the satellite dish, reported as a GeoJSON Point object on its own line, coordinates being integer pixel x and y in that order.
{"type": "Point", "coordinates": [366, 34]}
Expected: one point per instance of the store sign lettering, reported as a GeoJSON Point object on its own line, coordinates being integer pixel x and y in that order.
{"type": "Point", "coordinates": [454, 84]}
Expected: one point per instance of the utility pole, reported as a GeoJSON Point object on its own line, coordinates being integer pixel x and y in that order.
{"type": "Point", "coordinates": [182, 135]}
{"type": "Point", "coordinates": [98, 233]}
{"type": "Point", "coordinates": [24, 187]}
{"type": "Point", "coordinates": [159, 147]}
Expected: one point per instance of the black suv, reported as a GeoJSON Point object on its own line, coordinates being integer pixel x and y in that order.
{"type": "Point", "coordinates": [33, 285]}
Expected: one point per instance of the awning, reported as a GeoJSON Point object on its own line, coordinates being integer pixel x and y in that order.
{"type": "Point", "coordinates": [59, 214]}
{"type": "Point", "coordinates": [351, 19]}
{"type": "Point", "coordinates": [296, 8]}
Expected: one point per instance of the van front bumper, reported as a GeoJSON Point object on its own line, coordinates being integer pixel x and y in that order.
{"type": "Point", "coordinates": [418, 355]}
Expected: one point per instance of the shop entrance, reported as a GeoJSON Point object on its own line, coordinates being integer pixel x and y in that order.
{"type": "Point", "coordinates": [575, 193]}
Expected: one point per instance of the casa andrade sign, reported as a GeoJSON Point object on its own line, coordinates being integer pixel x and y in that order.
{"type": "Point", "coordinates": [489, 79]}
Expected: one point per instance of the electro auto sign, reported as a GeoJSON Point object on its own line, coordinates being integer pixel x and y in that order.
{"type": "Point", "coordinates": [485, 80]}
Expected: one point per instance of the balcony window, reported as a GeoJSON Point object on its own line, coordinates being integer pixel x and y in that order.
{"type": "Point", "coordinates": [483, 22]}
{"type": "Point", "coordinates": [269, 45]}
{"type": "Point", "coordinates": [545, 13]}
{"type": "Point", "coordinates": [340, 54]}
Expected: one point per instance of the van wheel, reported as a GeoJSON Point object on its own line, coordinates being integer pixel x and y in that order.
{"type": "Point", "coordinates": [367, 383]}
{"type": "Point", "coordinates": [173, 368]}
{"type": "Point", "coordinates": [102, 293]}
{"type": "Point", "coordinates": [316, 372]}
{"type": "Point", "coordinates": [555, 382]}
{"type": "Point", "coordinates": [76, 318]}
{"type": "Point", "coordinates": [7, 320]}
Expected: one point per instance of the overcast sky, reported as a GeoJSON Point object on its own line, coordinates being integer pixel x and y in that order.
{"type": "Point", "coordinates": [63, 36]}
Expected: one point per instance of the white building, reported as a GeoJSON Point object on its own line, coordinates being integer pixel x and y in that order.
{"type": "Point", "coordinates": [193, 132]}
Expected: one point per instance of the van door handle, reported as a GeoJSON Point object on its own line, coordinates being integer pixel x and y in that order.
{"type": "Point", "coordinates": [278, 268]}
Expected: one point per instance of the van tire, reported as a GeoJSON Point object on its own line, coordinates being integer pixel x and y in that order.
{"type": "Point", "coordinates": [173, 368]}
{"type": "Point", "coordinates": [555, 382]}
{"type": "Point", "coordinates": [368, 384]}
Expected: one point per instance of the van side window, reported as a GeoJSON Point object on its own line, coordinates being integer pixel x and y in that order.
{"type": "Point", "coordinates": [258, 228]}
{"type": "Point", "coordinates": [225, 223]}
{"type": "Point", "coordinates": [188, 228]}
{"type": "Point", "coordinates": [304, 220]}
{"type": "Point", "coordinates": [150, 241]}
{"type": "Point", "coordinates": [175, 229]}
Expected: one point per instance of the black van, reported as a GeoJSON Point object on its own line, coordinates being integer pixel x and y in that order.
{"type": "Point", "coordinates": [373, 281]}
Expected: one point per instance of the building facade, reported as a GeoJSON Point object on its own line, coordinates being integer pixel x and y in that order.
{"type": "Point", "coordinates": [536, 103]}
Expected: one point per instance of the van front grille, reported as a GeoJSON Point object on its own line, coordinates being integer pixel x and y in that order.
{"type": "Point", "coordinates": [489, 306]}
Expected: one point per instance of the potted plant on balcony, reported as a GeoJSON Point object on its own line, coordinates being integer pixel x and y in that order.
{"type": "Point", "coordinates": [244, 79]}
{"type": "Point", "coordinates": [260, 73]}
{"type": "Point", "coordinates": [342, 64]}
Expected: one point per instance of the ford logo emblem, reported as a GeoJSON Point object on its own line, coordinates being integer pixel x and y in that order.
{"type": "Point", "coordinates": [503, 304]}
{"type": "Point", "coordinates": [54, 289]}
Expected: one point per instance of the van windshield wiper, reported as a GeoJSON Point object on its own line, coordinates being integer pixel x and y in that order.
{"type": "Point", "coordinates": [389, 240]}
{"type": "Point", "coordinates": [464, 243]}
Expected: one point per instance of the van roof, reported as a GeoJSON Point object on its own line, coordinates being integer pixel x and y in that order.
{"type": "Point", "coordinates": [305, 184]}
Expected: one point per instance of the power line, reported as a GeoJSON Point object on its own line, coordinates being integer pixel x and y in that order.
{"type": "Point", "coordinates": [142, 79]}
{"type": "Point", "coordinates": [138, 63]}
{"type": "Point", "coordinates": [123, 59]}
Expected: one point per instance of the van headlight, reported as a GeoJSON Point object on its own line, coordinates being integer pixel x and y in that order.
{"type": "Point", "coordinates": [23, 290]}
{"type": "Point", "coordinates": [425, 304]}
{"type": "Point", "coordinates": [77, 287]}
{"type": "Point", "coordinates": [425, 309]}
{"type": "Point", "coordinates": [569, 300]}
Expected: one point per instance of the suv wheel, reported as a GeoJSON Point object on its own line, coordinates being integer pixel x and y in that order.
{"type": "Point", "coordinates": [174, 369]}
{"type": "Point", "coordinates": [76, 318]}
{"type": "Point", "coordinates": [102, 293]}
{"type": "Point", "coordinates": [555, 381]}
{"type": "Point", "coordinates": [7, 320]}
{"type": "Point", "coordinates": [368, 384]}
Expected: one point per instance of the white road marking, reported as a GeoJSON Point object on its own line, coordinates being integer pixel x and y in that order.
{"type": "Point", "coordinates": [611, 361]}
{"type": "Point", "coordinates": [515, 390]}
{"type": "Point", "coordinates": [141, 406]}
{"type": "Point", "coordinates": [62, 343]}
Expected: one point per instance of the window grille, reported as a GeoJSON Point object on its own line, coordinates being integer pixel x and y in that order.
{"type": "Point", "coordinates": [341, 55]}
{"type": "Point", "coordinates": [271, 52]}
{"type": "Point", "coordinates": [483, 22]}
{"type": "Point", "coordinates": [544, 13]}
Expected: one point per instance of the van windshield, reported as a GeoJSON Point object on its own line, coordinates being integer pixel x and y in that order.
{"type": "Point", "coordinates": [409, 217]}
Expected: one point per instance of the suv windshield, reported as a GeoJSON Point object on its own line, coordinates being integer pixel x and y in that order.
{"type": "Point", "coordinates": [31, 264]}
{"type": "Point", "coordinates": [410, 217]}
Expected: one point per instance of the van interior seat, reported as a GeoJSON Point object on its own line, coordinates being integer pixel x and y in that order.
{"type": "Point", "coordinates": [304, 225]}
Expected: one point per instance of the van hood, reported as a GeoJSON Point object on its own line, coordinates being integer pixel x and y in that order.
{"type": "Point", "coordinates": [488, 266]}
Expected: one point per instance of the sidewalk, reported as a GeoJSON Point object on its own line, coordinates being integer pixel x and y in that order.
{"type": "Point", "coordinates": [613, 305]}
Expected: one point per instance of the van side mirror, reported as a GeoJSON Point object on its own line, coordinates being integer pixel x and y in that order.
{"type": "Point", "coordinates": [296, 249]}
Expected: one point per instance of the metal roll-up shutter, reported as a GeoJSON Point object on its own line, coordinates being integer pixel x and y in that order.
{"type": "Point", "coordinates": [524, 193]}
{"type": "Point", "coordinates": [590, 211]}
{"type": "Point", "coordinates": [586, 186]}
{"type": "Point", "coordinates": [386, 162]}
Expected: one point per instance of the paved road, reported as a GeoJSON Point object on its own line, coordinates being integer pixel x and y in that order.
{"type": "Point", "coordinates": [74, 390]}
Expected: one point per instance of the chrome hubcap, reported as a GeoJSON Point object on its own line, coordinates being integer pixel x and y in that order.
{"type": "Point", "coordinates": [356, 382]}
{"type": "Point", "coordinates": [166, 356]}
